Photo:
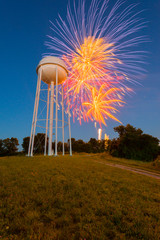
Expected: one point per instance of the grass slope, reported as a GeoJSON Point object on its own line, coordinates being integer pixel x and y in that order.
{"type": "Point", "coordinates": [148, 166]}
{"type": "Point", "coordinates": [75, 198]}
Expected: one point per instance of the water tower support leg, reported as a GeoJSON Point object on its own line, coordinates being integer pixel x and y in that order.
{"type": "Point", "coordinates": [62, 122]}
{"type": "Point", "coordinates": [69, 126]}
{"type": "Point", "coordinates": [56, 110]}
{"type": "Point", "coordinates": [51, 120]}
{"type": "Point", "coordinates": [34, 122]}
{"type": "Point", "coordinates": [31, 135]}
{"type": "Point", "coordinates": [45, 147]}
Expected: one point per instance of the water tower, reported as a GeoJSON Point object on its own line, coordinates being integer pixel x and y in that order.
{"type": "Point", "coordinates": [53, 72]}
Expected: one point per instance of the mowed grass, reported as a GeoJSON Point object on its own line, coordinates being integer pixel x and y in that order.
{"type": "Point", "coordinates": [75, 198]}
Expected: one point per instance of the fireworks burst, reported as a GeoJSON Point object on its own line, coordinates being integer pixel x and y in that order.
{"type": "Point", "coordinates": [101, 103]}
{"type": "Point", "coordinates": [98, 48]}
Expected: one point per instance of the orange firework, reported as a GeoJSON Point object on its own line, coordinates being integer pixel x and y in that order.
{"type": "Point", "coordinates": [90, 62]}
{"type": "Point", "coordinates": [100, 105]}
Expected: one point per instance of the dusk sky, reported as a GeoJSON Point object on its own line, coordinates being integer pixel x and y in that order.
{"type": "Point", "coordinates": [24, 26]}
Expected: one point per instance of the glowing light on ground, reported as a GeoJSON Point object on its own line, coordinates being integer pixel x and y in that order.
{"type": "Point", "coordinates": [99, 134]}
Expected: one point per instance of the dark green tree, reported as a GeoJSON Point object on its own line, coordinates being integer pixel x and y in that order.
{"type": "Point", "coordinates": [59, 146]}
{"type": "Point", "coordinates": [133, 144]}
{"type": "Point", "coordinates": [10, 146]}
{"type": "Point", "coordinates": [151, 149]}
{"type": "Point", "coordinates": [80, 145]}
{"type": "Point", "coordinates": [73, 141]}
{"type": "Point", "coordinates": [25, 144]}
{"type": "Point", "coordinates": [77, 146]}
{"type": "Point", "coordinates": [1, 147]}
{"type": "Point", "coordinates": [96, 146]}
{"type": "Point", "coordinates": [39, 143]}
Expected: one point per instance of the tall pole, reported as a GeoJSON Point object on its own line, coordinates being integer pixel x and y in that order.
{"type": "Point", "coordinates": [45, 148]}
{"type": "Point", "coordinates": [34, 122]}
{"type": "Point", "coordinates": [51, 119]}
{"type": "Point", "coordinates": [70, 144]}
{"type": "Point", "coordinates": [62, 122]}
{"type": "Point", "coordinates": [56, 110]}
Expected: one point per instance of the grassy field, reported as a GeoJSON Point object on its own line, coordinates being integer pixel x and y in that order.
{"type": "Point", "coordinates": [76, 198]}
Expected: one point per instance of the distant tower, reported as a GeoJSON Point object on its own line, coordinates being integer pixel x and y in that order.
{"type": "Point", "coordinates": [52, 71]}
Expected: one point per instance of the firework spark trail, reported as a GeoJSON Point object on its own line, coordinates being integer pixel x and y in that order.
{"type": "Point", "coordinates": [99, 48]}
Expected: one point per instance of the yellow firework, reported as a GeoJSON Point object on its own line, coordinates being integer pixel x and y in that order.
{"type": "Point", "coordinates": [101, 104]}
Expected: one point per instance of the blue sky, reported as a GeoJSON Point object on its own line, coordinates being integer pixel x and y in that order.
{"type": "Point", "coordinates": [23, 27]}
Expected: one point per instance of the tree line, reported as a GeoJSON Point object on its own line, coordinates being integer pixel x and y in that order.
{"type": "Point", "coordinates": [131, 143]}
{"type": "Point", "coordinates": [93, 146]}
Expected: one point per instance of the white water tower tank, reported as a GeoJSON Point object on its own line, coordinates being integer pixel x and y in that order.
{"type": "Point", "coordinates": [48, 66]}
